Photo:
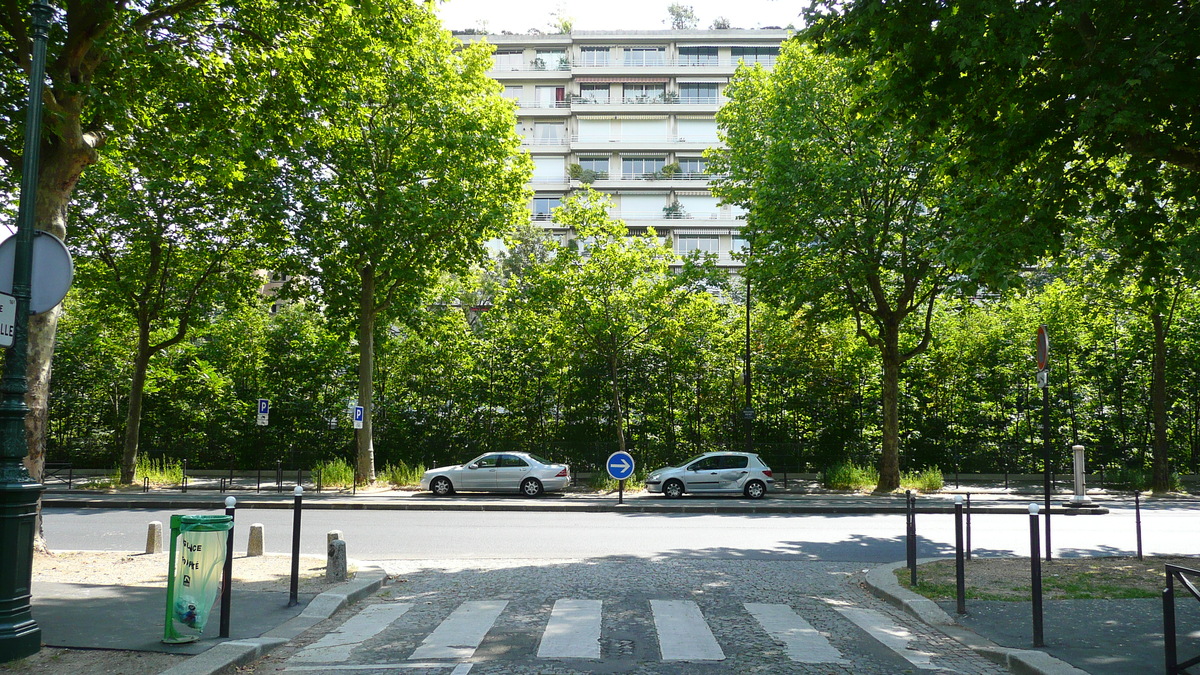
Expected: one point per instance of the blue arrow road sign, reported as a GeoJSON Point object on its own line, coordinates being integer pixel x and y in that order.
{"type": "Point", "coordinates": [264, 406]}
{"type": "Point", "coordinates": [620, 465]}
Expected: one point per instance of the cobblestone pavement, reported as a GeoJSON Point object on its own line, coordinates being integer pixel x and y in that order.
{"type": "Point", "coordinates": [522, 594]}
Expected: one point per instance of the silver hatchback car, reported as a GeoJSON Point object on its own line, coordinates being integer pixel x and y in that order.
{"type": "Point", "coordinates": [499, 472]}
{"type": "Point", "coordinates": [715, 473]}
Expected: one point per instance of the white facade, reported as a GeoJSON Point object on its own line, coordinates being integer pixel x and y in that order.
{"type": "Point", "coordinates": [631, 112]}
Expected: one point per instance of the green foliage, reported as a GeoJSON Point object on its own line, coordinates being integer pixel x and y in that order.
{"type": "Point", "coordinates": [602, 482]}
{"type": "Point", "coordinates": [926, 480]}
{"type": "Point", "coordinates": [335, 472]}
{"type": "Point", "coordinates": [160, 471]}
{"type": "Point", "coordinates": [849, 476]}
{"type": "Point", "coordinates": [402, 475]}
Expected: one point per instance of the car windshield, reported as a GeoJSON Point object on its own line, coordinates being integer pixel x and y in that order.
{"type": "Point", "coordinates": [540, 459]}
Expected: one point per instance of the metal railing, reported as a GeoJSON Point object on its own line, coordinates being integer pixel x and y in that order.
{"type": "Point", "coordinates": [1180, 574]}
{"type": "Point", "coordinates": [664, 99]}
{"type": "Point", "coordinates": [641, 138]}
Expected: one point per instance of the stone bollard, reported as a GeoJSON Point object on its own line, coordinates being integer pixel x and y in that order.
{"type": "Point", "coordinates": [335, 563]}
{"type": "Point", "coordinates": [154, 542]}
{"type": "Point", "coordinates": [333, 534]}
{"type": "Point", "coordinates": [254, 547]}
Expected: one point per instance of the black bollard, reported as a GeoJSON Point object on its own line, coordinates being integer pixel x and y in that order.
{"type": "Point", "coordinates": [960, 583]}
{"type": "Point", "coordinates": [1137, 519]}
{"type": "Point", "coordinates": [183, 481]}
{"type": "Point", "coordinates": [1035, 575]}
{"type": "Point", "coordinates": [227, 575]}
{"type": "Point", "coordinates": [910, 544]}
{"type": "Point", "coordinates": [279, 475]}
{"type": "Point", "coordinates": [968, 526]}
{"type": "Point", "coordinates": [297, 507]}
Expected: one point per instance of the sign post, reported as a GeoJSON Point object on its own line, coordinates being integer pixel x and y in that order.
{"type": "Point", "coordinates": [1043, 377]}
{"type": "Point", "coordinates": [620, 466]}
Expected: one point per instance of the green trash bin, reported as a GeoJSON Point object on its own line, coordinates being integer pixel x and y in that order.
{"type": "Point", "coordinates": [194, 574]}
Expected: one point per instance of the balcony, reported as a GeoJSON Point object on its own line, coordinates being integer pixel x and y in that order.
{"type": "Point", "coordinates": [639, 142]}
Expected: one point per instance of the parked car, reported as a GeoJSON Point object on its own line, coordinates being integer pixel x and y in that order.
{"type": "Point", "coordinates": [499, 472]}
{"type": "Point", "coordinates": [714, 473]}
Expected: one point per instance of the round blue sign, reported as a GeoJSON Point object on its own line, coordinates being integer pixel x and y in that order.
{"type": "Point", "coordinates": [620, 465]}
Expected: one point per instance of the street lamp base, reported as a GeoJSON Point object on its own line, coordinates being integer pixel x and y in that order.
{"type": "Point", "coordinates": [1078, 502]}
{"type": "Point", "coordinates": [20, 636]}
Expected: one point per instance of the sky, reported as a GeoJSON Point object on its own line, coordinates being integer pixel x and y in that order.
{"type": "Point", "coordinates": [519, 16]}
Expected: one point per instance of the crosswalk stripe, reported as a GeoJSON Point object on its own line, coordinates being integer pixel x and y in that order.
{"type": "Point", "coordinates": [460, 634]}
{"type": "Point", "coordinates": [894, 637]}
{"type": "Point", "coordinates": [573, 631]}
{"type": "Point", "coordinates": [804, 644]}
{"type": "Point", "coordinates": [683, 635]}
{"type": "Point", "coordinates": [337, 645]}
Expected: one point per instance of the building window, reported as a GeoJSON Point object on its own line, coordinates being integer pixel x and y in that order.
{"type": "Point", "coordinates": [593, 93]}
{"type": "Point", "coordinates": [551, 97]}
{"type": "Point", "coordinates": [763, 55]}
{"type": "Point", "coordinates": [644, 93]}
{"type": "Point", "coordinates": [542, 207]}
{"type": "Point", "coordinates": [645, 56]}
{"type": "Point", "coordinates": [633, 168]}
{"type": "Point", "coordinates": [698, 92]}
{"type": "Point", "coordinates": [697, 56]}
{"type": "Point", "coordinates": [596, 167]}
{"type": "Point", "coordinates": [593, 56]}
{"type": "Point", "coordinates": [740, 245]}
{"type": "Point", "coordinates": [551, 60]}
{"type": "Point", "coordinates": [693, 167]}
{"type": "Point", "coordinates": [705, 243]}
{"type": "Point", "coordinates": [509, 60]}
{"type": "Point", "coordinates": [549, 133]}
{"type": "Point", "coordinates": [512, 93]}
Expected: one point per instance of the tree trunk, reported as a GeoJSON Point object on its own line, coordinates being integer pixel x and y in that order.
{"type": "Point", "coordinates": [133, 415]}
{"type": "Point", "coordinates": [1158, 405]}
{"type": "Point", "coordinates": [889, 462]}
{"type": "Point", "coordinates": [365, 466]}
{"type": "Point", "coordinates": [618, 414]}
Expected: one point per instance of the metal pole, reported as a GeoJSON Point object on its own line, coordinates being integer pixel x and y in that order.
{"type": "Point", "coordinates": [968, 526]}
{"type": "Point", "coordinates": [1046, 459]}
{"type": "Point", "coordinates": [1035, 576]}
{"type": "Point", "coordinates": [1137, 519]}
{"type": "Point", "coordinates": [960, 568]}
{"type": "Point", "coordinates": [1170, 648]}
{"type": "Point", "coordinates": [621, 491]}
{"type": "Point", "coordinates": [297, 507]}
{"type": "Point", "coordinates": [748, 414]}
{"type": "Point", "coordinates": [910, 544]}
{"type": "Point", "coordinates": [20, 636]}
{"type": "Point", "coordinates": [183, 479]}
{"type": "Point", "coordinates": [227, 575]}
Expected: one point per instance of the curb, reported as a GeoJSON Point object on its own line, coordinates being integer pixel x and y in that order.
{"type": "Point", "coordinates": [232, 654]}
{"type": "Point", "coordinates": [882, 582]}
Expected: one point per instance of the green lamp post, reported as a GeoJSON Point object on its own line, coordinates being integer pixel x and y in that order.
{"type": "Point", "coordinates": [20, 635]}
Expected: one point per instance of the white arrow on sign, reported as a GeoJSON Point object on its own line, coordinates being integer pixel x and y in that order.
{"type": "Point", "coordinates": [622, 465]}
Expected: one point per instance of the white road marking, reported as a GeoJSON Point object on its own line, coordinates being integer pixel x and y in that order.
{"type": "Point", "coordinates": [683, 635]}
{"type": "Point", "coordinates": [460, 634]}
{"type": "Point", "coordinates": [460, 669]}
{"type": "Point", "coordinates": [804, 644]}
{"type": "Point", "coordinates": [573, 631]}
{"type": "Point", "coordinates": [337, 645]}
{"type": "Point", "coordinates": [894, 637]}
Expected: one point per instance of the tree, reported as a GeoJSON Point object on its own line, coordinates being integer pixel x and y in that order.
{"type": "Point", "coordinates": [845, 214]}
{"type": "Point", "coordinates": [611, 292]}
{"type": "Point", "coordinates": [178, 224]}
{"type": "Point", "coordinates": [100, 57]}
{"type": "Point", "coordinates": [410, 163]}
{"type": "Point", "coordinates": [720, 23]}
{"type": "Point", "coordinates": [683, 17]}
{"type": "Point", "coordinates": [1101, 77]}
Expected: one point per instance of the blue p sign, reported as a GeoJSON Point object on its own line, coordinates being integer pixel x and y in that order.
{"type": "Point", "coordinates": [264, 406]}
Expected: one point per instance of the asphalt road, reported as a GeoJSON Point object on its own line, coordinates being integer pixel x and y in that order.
{"type": "Point", "coordinates": [419, 535]}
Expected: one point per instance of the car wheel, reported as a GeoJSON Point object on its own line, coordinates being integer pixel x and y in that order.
{"type": "Point", "coordinates": [673, 489]}
{"type": "Point", "coordinates": [441, 486]}
{"type": "Point", "coordinates": [531, 487]}
{"type": "Point", "coordinates": [755, 489]}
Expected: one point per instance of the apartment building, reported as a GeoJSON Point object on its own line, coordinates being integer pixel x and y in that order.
{"type": "Point", "coordinates": [631, 113]}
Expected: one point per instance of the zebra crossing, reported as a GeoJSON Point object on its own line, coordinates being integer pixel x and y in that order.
{"type": "Point", "coordinates": [574, 630]}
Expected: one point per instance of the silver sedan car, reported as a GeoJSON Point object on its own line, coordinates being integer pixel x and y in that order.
{"type": "Point", "coordinates": [499, 472]}
{"type": "Point", "coordinates": [714, 473]}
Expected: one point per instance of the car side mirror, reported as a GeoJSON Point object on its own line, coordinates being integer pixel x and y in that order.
{"type": "Point", "coordinates": [472, 466]}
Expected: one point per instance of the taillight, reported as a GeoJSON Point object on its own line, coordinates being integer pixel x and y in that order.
{"type": "Point", "coordinates": [767, 473]}
{"type": "Point", "coordinates": [562, 474]}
